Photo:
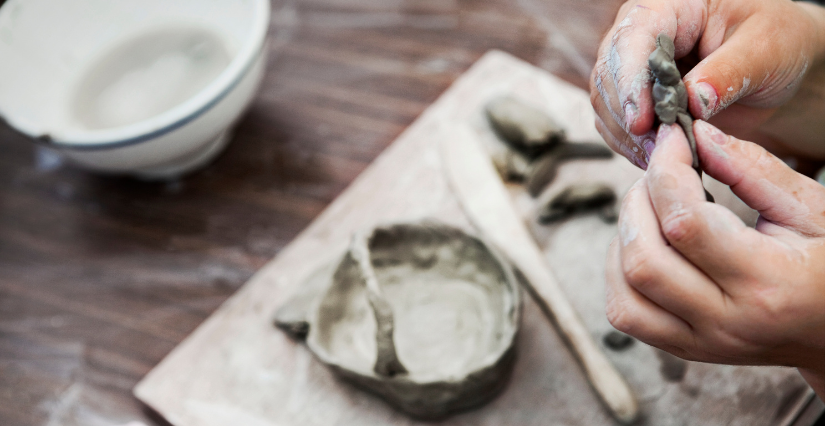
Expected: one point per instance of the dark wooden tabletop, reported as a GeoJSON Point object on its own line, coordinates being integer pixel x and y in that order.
{"type": "Point", "coordinates": [100, 277]}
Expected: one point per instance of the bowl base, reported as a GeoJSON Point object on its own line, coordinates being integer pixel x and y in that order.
{"type": "Point", "coordinates": [186, 164]}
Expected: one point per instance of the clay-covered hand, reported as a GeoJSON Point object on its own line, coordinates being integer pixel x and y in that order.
{"type": "Point", "coordinates": [755, 56]}
{"type": "Point", "coordinates": [689, 277]}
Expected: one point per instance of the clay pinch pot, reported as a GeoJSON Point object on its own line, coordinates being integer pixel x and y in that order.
{"type": "Point", "coordinates": [423, 315]}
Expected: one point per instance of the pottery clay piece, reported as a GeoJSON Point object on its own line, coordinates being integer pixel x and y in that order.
{"type": "Point", "coordinates": [510, 164]}
{"type": "Point", "coordinates": [820, 176]}
{"type": "Point", "coordinates": [617, 341]}
{"type": "Point", "coordinates": [538, 144]}
{"type": "Point", "coordinates": [423, 315]}
{"type": "Point", "coordinates": [581, 198]}
{"type": "Point", "coordinates": [544, 169]}
{"type": "Point", "coordinates": [523, 126]}
{"type": "Point", "coordinates": [670, 94]}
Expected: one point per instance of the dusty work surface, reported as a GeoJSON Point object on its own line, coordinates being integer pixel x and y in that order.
{"type": "Point", "coordinates": [237, 369]}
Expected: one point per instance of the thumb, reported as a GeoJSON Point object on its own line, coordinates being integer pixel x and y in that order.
{"type": "Point", "coordinates": [749, 61]}
{"type": "Point", "coordinates": [762, 181]}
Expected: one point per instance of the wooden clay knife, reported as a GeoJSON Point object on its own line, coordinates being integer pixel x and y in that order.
{"type": "Point", "coordinates": [484, 198]}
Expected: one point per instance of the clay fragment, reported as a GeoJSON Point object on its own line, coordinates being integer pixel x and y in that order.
{"type": "Point", "coordinates": [543, 170]}
{"type": "Point", "coordinates": [671, 367]}
{"type": "Point", "coordinates": [528, 129]}
{"type": "Point", "coordinates": [291, 318]}
{"type": "Point", "coordinates": [423, 315]}
{"type": "Point", "coordinates": [578, 198]}
{"type": "Point", "coordinates": [670, 95]}
{"type": "Point", "coordinates": [820, 176]}
{"type": "Point", "coordinates": [617, 341]}
{"type": "Point", "coordinates": [510, 164]}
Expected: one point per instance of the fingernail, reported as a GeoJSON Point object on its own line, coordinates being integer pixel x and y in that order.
{"type": "Point", "coordinates": [708, 131]}
{"type": "Point", "coordinates": [649, 146]}
{"type": "Point", "coordinates": [708, 97]}
{"type": "Point", "coordinates": [629, 116]}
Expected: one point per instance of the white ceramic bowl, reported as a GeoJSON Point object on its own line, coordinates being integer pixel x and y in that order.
{"type": "Point", "coordinates": [144, 87]}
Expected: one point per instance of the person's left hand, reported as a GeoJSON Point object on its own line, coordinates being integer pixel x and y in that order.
{"type": "Point", "coordinates": [688, 276]}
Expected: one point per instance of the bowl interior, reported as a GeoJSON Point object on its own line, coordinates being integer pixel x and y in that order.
{"type": "Point", "coordinates": [86, 70]}
{"type": "Point", "coordinates": [453, 307]}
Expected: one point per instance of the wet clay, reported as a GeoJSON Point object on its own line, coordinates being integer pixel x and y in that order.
{"type": "Point", "coordinates": [617, 341]}
{"type": "Point", "coordinates": [672, 368]}
{"type": "Point", "coordinates": [537, 145]}
{"type": "Point", "coordinates": [670, 95]}
{"type": "Point", "coordinates": [523, 126]}
{"type": "Point", "coordinates": [580, 198]}
{"type": "Point", "coordinates": [544, 169]}
{"type": "Point", "coordinates": [423, 315]}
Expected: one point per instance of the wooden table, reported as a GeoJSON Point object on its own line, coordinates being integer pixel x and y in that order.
{"type": "Point", "coordinates": [101, 277]}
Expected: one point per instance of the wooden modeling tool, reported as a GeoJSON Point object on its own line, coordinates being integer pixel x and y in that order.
{"type": "Point", "coordinates": [485, 200]}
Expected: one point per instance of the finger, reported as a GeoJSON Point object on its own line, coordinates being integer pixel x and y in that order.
{"type": "Point", "coordinates": [634, 148]}
{"type": "Point", "coordinates": [708, 235]}
{"type": "Point", "coordinates": [748, 59]}
{"type": "Point", "coordinates": [657, 270]}
{"type": "Point", "coordinates": [762, 181]}
{"type": "Point", "coordinates": [631, 312]}
{"type": "Point", "coordinates": [603, 93]}
{"type": "Point", "coordinates": [624, 53]}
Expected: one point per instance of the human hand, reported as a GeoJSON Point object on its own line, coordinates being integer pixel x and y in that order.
{"type": "Point", "coordinates": [755, 55]}
{"type": "Point", "coordinates": [688, 276]}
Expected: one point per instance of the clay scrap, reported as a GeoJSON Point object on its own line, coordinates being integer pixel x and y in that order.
{"type": "Point", "coordinates": [617, 341]}
{"type": "Point", "coordinates": [581, 198]}
{"type": "Point", "coordinates": [422, 314]}
{"type": "Point", "coordinates": [543, 170]}
{"type": "Point", "coordinates": [535, 144]}
{"type": "Point", "coordinates": [523, 126]}
{"type": "Point", "coordinates": [670, 95]}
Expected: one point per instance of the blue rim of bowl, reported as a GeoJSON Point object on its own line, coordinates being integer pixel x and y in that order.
{"type": "Point", "coordinates": [46, 139]}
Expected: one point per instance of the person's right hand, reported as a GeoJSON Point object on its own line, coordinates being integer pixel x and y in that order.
{"type": "Point", "coordinates": [754, 53]}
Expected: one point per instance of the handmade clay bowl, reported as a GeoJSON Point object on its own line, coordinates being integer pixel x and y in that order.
{"type": "Point", "coordinates": [423, 315]}
{"type": "Point", "coordinates": [143, 87]}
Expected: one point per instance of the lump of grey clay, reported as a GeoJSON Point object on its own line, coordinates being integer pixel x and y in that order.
{"type": "Point", "coordinates": [617, 341]}
{"type": "Point", "coordinates": [523, 126]}
{"type": "Point", "coordinates": [580, 198]}
{"type": "Point", "coordinates": [820, 176]}
{"type": "Point", "coordinates": [423, 315]}
{"type": "Point", "coordinates": [670, 95]}
{"type": "Point", "coordinates": [544, 169]}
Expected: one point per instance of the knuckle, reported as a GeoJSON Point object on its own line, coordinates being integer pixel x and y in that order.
{"type": "Point", "coordinates": [771, 305]}
{"type": "Point", "coordinates": [619, 316]}
{"type": "Point", "coordinates": [597, 91]}
{"type": "Point", "coordinates": [755, 159]}
{"type": "Point", "coordinates": [595, 95]}
{"type": "Point", "coordinates": [633, 195]}
{"type": "Point", "coordinates": [681, 226]}
{"type": "Point", "coordinates": [639, 268]}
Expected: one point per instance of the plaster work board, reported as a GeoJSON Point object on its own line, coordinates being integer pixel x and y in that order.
{"type": "Point", "coordinates": [237, 369]}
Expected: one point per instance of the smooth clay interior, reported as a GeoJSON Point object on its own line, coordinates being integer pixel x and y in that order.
{"type": "Point", "coordinates": [450, 300]}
